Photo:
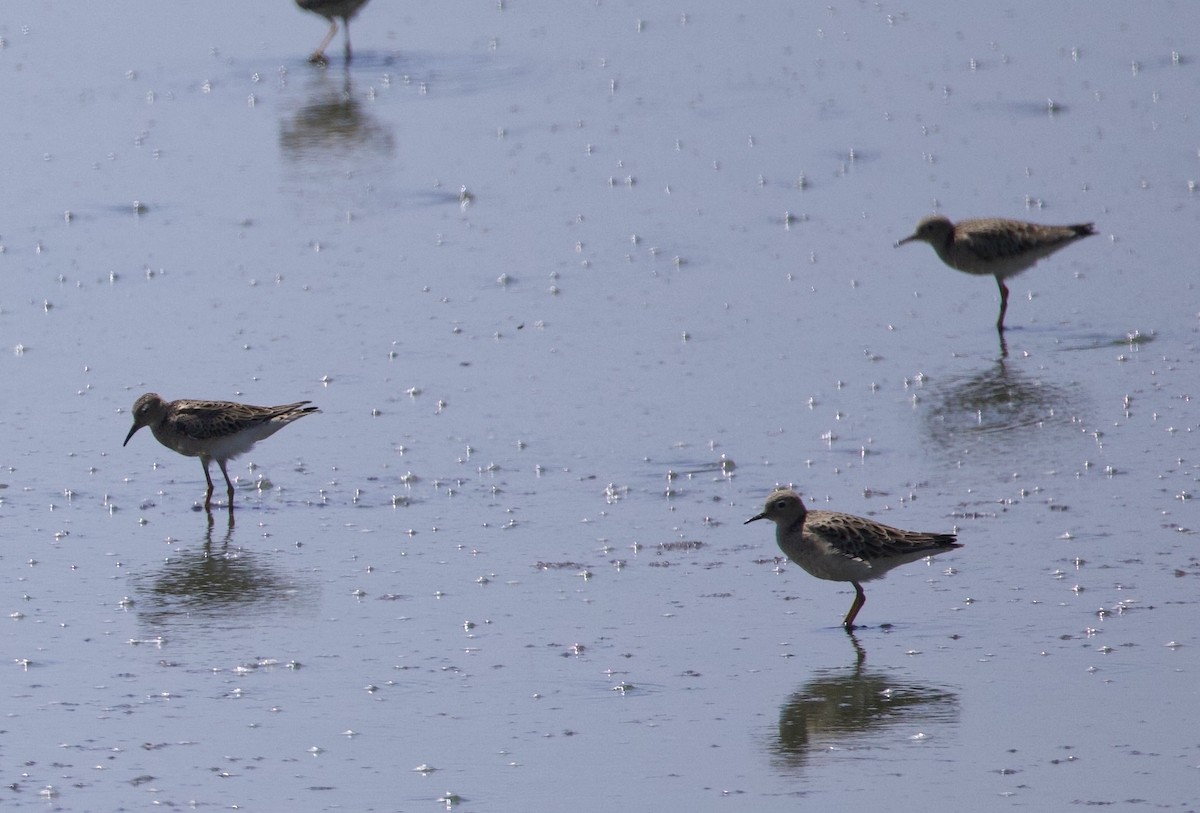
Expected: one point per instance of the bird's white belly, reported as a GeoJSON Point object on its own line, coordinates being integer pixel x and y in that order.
{"type": "Point", "coordinates": [834, 567]}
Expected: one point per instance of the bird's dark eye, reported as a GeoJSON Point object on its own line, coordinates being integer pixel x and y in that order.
{"type": "Point", "coordinates": [781, 504]}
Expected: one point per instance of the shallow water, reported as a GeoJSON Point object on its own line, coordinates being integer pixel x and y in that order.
{"type": "Point", "coordinates": [574, 286]}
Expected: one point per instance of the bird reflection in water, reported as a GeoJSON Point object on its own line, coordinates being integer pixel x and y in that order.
{"type": "Point", "coordinates": [215, 580]}
{"type": "Point", "coordinates": [332, 124]}
{"type": "Point", "coordinates": [844, 708]}
{"type": "Point", "coordinates": [983, 411]}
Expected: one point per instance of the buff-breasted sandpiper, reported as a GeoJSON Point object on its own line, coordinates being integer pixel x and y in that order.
{"type": "Point", "coordinates": [845, 548]}
{"type": "Point", "coordinates": [995, 246]}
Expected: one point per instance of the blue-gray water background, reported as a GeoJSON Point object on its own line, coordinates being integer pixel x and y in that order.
{"type": "Point", "coordinates": [575, 284]}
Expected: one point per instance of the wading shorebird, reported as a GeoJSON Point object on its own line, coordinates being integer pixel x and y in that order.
{"type": "Point", "coordinates": [845, 548]}
{"type": "Point", "coordinates": [994, 246]}
{"type": "Point", "coordinates": [331, 10]}
{"type": "Point", "coordinates": [212, 430]}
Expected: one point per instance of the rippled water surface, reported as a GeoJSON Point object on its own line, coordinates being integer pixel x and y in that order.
{"type": "Point", "coordinates": [574, 286]}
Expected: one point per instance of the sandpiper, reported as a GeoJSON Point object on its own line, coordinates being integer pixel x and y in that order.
{"type": "Point", "coordinates": [996, 246]}
{"type": "Point", "coordinates": [331, 10]}
{"type": "Point", "coordinates": [845, 548]}
{"type": "Point", "coordinates": [212, 430]}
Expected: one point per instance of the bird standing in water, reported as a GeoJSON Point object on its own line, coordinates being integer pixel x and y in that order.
{"type": "Point", "coordinates": [845, 548]}
{"type": "Point", "coordinates": [995, 246]}
{"type": "Point", "coordinates": [212, 430]}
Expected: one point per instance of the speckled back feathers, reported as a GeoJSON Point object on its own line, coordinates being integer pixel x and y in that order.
{"type": "Point", "coordinates": [843, 547]}
{"type": "Point", "coordinates": [993, 245]}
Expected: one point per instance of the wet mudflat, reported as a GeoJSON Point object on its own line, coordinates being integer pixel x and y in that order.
{"type": "Point", "coordinates": [575, 286]}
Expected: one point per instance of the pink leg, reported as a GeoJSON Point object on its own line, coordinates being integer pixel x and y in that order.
{"type": "Point", "coordinates": [318, 56]}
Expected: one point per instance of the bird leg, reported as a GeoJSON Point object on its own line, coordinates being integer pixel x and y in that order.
{"type": "Point", "coordinates": [318, 57]}
{"type": "Point", "coordinates": [860, 598]}
{"type": "Point", "coordinates": [204, 461]}
{"type": "Point", "coordinates": [346, 24]}
{"type": "Point", "coordinates": [228, 482]}
{"type": "Point", "coordinates": [1003, 304]}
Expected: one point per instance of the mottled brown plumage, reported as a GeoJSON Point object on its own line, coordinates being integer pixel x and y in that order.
{"type": "Point", "coordinates": [994, 246]}
{"type": "Point", "coordinates": [212, 430]}
{"type": "Point", "coordinates": [845, 548]}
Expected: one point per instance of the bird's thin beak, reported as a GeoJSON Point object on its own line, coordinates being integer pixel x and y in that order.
{"type": "Point", "coordinates": [763, 515]}
{"type": "Point", "coordinates": [131, 431]}
{"type": "Point", "coordinates": [908, 239]}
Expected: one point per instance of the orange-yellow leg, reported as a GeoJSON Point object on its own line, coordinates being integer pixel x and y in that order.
{"type": "Point", "coordinates": [860, 598]}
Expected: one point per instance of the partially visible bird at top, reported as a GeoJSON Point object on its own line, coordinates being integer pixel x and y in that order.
{"type": "Point", "coordinates": [331, 10]}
